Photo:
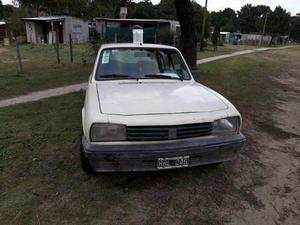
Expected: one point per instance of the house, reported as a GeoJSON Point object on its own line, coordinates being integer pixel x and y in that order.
{"type": "Point", "coordinates": [120, 30]}
{"type": "Point", "coordinates": [48, 29]}
{"type": "Point", "coordinates": [255, 39]}
{"type": "Point", "coordinates": [3, 31]}
{"type": "Point", "coordinates": [224, 36]}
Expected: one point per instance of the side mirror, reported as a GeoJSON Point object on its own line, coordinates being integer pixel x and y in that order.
{"type": "Point", "coordinates": [195, 73]}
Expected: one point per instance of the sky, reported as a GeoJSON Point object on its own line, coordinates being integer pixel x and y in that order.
{"type": "Point", "coordinates": [292, 6]}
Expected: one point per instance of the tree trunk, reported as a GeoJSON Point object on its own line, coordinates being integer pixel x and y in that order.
{"type": "Point", "coordinates": [185, 16]}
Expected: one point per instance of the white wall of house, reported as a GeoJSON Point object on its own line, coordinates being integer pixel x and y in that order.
{"type": "Point", "coordinates": [255, 38]}
{"type": "Point", "coordinates": [78, 28]}
{"type": "Point", "coordinates": [30, 32]}
{"type": "Point", "coordinates": [174, 25]}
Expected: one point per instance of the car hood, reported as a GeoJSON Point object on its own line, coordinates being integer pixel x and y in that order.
{"type": "Point", "coordinates": [150, 97]}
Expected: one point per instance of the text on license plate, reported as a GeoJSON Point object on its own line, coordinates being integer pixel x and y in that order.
{"type": "Point", "coordinates": [173, 162]}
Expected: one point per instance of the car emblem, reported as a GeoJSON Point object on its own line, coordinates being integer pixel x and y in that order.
{"type": "Point", "coordinates": [172, 133]}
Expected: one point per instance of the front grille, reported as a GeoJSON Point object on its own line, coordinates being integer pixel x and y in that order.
{"type": "Point", "coordinates": [155, 133]}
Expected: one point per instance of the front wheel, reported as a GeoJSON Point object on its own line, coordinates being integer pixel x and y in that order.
{"type": "Point", "coordinates": [85, 164]}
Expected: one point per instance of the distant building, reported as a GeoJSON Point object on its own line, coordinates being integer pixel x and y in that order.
{"type": "Point", "coordinates": [112, 29]}
{"type": "Point", "coordinates": [49, 29]}
{"type": "Point", "coordinates": [224, 36]}
{"type": "Point", "coordinates": [251, 39]}
{"type": "Point", "coordinates": [3, 31]}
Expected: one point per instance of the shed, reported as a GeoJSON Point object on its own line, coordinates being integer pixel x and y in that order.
{"type": "Point", "coordinates": [48, 29]}
{"type": "Point", "coordinates": [108, 27]}
{"type": "Point", "coordinates": [3, 30]}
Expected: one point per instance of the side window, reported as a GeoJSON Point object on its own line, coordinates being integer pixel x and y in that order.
{"type": "Point", "coordinates": [176, 61]}
{"type": "Point", "coordinates": [178, 65]}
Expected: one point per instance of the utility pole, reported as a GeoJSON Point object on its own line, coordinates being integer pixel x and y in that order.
{"type": "Point", "coordinates": [203, 25]}
{"type": "Point", "coordinates": [264, 29]}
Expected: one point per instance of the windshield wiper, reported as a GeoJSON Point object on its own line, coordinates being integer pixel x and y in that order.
{"type": "Point", "coordinates": [117, 76]}
{"type": "Point", "coordinates": [160, 76]}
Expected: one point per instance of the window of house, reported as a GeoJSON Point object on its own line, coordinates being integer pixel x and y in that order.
{"type": "Point", "coordinates": [76, 28]}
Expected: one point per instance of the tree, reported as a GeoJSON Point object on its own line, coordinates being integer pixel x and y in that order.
{"type": "Point", "coordinates": [215, 36]}
{"type": "Point", "coordinates": [226, 19]}
{"type": "Point", "coordinates": [279, 22]}
{"type": "Point", "coordinates": [185, 15]}
{"type": "Point", "coordinates": [251, 18]}
{"type": "Point", "coordinates": [295, 28]}
{"type": "Point", "coordinates": [166, 10]}
{"type": "Point", "coordinates": [142, 10]}
{"type": "Point", "coordinates": [198, 16]}
{"type": "Point", "coordinates": [1, 10]}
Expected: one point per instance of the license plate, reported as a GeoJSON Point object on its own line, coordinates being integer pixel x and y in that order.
{"type": "Point", "coordinates": [173, 162]}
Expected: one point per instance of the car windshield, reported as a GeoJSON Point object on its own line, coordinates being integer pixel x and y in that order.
{"type": "Point", "coordinates": [141, 63]}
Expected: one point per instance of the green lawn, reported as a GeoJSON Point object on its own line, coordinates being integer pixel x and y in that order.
{"type": "Point", "coordinates": [42, 183]}
{"type": "Point", "coordinates": [41, 70]}
{"type": "Point", "coordinates": [226, 49]}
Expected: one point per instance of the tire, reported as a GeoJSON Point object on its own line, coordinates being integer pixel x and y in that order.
{"type": "Point", "coordinates": [85, 164]}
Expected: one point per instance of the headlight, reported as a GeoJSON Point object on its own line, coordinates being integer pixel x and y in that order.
{"type": "Point", "coordinates": [226, 126]}
{"type": "Point", "coordinates": [108, 132]}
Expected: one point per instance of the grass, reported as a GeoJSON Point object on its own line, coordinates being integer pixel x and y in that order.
{"type": "Point", "coordinates": [41, 70]}
{"type": "Point", "coordinates": [226, 49]}
{"type": "Point", "coordinates": [246, 80]}
{"type": "Point", "coordinates": [42, 183]}
{"type": "Point", "coordinates": [243, 80]}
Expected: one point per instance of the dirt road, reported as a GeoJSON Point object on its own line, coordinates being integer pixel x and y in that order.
{"type": "Point", "coordinates": [274, 148]}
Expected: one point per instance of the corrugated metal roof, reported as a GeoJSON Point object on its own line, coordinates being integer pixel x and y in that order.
{"type": "Point", "coordinates": [45, 18]}
{"type": "Point", "coordinates": [137, 20]}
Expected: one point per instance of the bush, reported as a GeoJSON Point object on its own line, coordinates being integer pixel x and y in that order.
{"type": "Point", "coordinates": [96, 43]}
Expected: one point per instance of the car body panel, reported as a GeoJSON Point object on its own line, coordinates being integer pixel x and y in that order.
{"type": "Point", "coordinates": [155, 97]}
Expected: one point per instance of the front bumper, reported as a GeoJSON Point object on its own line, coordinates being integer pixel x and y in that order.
{"type": "Point", "coordinates": [141, 156]}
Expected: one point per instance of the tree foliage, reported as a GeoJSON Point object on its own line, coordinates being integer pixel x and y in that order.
{"type": "Point", "coordinates": [251, 18]}
{"type": "Point", "coordinates": [279, 22]}
{"type": "Point", "coordinates": [226, 19]}
{"type": "Point", "coordinates": [1, 9]}
{"type": "Point", "coordinates": [295, 28]}
{"type": "Point", "coordinates": [198, 17]}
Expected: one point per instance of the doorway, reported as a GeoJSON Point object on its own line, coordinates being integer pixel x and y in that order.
{"type": "Point", "coordinates": [60, 32]}
{"type": "Point", "coordinates": [45, 33]}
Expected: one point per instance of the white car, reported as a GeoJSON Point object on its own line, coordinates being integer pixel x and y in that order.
{"type": "Point", "coordinates": [144, 111]}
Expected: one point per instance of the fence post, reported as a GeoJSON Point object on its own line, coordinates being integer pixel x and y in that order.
{"type": "Point", "coordinates": [55, 45]}
{"type": "Point", "coordinates": [57, 48]}
{"type": "Point", "coordinates": [18, 55]}
{"type": "Point", "coordinates": [71, 48]}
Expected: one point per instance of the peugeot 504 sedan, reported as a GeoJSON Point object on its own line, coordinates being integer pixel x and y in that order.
{"type": "Point", "coordinates": [144, 111]}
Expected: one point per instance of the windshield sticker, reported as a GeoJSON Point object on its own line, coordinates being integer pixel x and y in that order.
{"type": "Point", "coordinates": [105, 57]}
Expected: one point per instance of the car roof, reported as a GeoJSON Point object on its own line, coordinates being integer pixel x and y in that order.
{"type": "Point", "coordinates": [135, 45]}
